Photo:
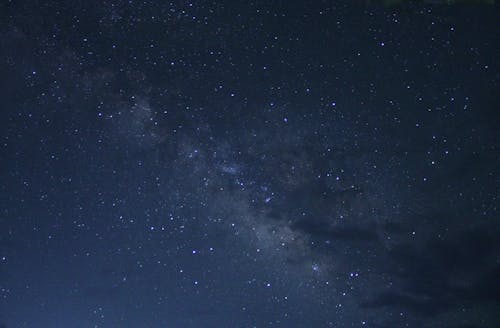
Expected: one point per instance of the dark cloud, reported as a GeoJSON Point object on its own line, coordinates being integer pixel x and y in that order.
{"type": "Point", "coordinates": [422, 305]}
{"type": "Point", "coordinates": [444, 272]}
{"type": "Point", "coordinates": [322, 230]}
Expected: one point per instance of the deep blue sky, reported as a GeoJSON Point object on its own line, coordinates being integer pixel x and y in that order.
{"type": "Point", "coordinates": [249, 164]}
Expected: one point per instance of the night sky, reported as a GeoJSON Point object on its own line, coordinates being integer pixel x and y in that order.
{"type": "Point", "coordinates": [249, 164]}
